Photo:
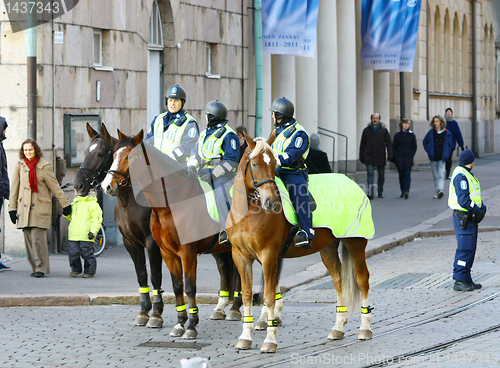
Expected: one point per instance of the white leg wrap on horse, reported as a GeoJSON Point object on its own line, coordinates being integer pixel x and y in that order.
{"type": "Point", "coordinates": [278, 307]}
{"type": "Point", "coordinates": [340, 319]}
{"type": "Point", "coordinates": [247, 331]}
{"type": "Point", "coordinates": [222, 303]}
{"type": "Point", "coordinates": [271, 335]}
{"type": "Point", "coordinates": [263, 314]}
{"type": "Point", "coordinates": [365, 321]}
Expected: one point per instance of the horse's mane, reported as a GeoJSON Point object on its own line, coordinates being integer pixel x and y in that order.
{"type": "Point", "coordinates": [261, 145]}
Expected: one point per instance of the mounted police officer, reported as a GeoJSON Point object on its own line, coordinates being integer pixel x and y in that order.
{"type": "Point", "coordinates": [292, 146]}
{"type": "Point", "coordinates": [468, 211]}
{"type": "Point", "coordinates": [174, 132]}
{"type": "Point", "coordinates": [216, 154]}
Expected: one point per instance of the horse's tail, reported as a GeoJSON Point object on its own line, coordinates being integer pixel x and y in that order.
{"type": "Point", "coordinates": [350, 290]}
{"type": "Point", "coordinates": [258, 298]}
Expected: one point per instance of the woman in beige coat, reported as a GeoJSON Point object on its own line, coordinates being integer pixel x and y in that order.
{"type": "Point", "coordinates": [30, 203]}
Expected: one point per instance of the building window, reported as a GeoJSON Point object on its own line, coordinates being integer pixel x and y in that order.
{"type": "Point", "coordinates": [155, 28]}
{"type": "Point", "coordinates": [97, 47]}
{"type": "Point", "coordinates": [212, 52]}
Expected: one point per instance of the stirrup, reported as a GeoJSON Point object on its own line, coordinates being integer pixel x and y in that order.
{"type": "Point", "coordinates": [302, 240]}
{"type": "Point", "coordinates": [223, 239]}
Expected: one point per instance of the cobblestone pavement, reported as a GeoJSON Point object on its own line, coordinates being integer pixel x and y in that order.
{"type": "Point", "coordinates": [409, 284]}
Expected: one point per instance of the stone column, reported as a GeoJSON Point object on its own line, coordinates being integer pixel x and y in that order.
{"type": "Point", "coordinates": [347, 109]}
{"type": "Point", "coordinates": [364, 85]}
{"type": "Point", "coordinates": [306, 92]}
{"type": "Point", "coordinates": [266, 95]}
{"type": "Point", "coordinates": [382, 96]}
{"type": "Point", "coordinates": [327, 75]}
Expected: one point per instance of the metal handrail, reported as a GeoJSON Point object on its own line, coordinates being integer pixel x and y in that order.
{"type": "Point", "coordinates": [333, 153]}
{"type": "Point", "coordinates": [346, 143]}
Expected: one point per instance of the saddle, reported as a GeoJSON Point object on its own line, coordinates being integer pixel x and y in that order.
{"type": "Point", "coordinates": [289, 187]}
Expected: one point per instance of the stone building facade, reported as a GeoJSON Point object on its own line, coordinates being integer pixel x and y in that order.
{"type": "Point", "coordinates": [117, 59]}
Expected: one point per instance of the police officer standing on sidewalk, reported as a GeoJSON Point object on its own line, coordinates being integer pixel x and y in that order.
{"type": "Point", "coordinates": [468, 212]}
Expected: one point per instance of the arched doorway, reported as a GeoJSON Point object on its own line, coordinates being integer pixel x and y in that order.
{"type": "Point", "coordinates": [155, 64]}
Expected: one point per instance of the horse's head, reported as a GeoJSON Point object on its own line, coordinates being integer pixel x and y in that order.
{"type": "Point", "coordinates": [119, 173]}
{"type": "Point", "coordinates": [98, 159]}
{"type": "Point", "coordinates": [259, 171]}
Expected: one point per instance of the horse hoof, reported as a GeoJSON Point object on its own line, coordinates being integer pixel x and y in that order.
{"type": "Point", "coordinates": [234, 315]}
{"type": "Point", "coordinates": [243, 344]}
{"type": "Point", "coordinates": [190, 335]}
{"type": "Point", "coordinates": [141, 320]}
{"type": "Point", "coordinates": [155, 322]}
{"type": "Point", "coordinates": [365, 335]}
{"type": "Point", "coordinates": [261, 325]}
{"type": "Point", "coordinates": [178, 331]}
{"type": "Point", "coordinates": [268, 347]}
{"type": "Point", "coordinates": [336, 335]}
{"type": "Point", "coordinates": [217, 315]}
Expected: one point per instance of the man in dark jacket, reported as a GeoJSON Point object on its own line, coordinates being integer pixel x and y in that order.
{"type": "Point", "coordinates": [375, 141]}
{"type": "Point", "coordinates": [4, 175]}
{"type": "Point", "coordinates": [317, 160]}
{"type": "Point", "coordinates": [452, 126]}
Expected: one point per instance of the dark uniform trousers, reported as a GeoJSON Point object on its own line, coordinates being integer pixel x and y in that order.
{"type": "Point", "coordinates": [466, 250]}
{"type": "Point", "coordinates": [299, 195]}
{"type": "Point", "coordinates": [221, 186]}
{"type": "Point", "coordinates": [86, 251]}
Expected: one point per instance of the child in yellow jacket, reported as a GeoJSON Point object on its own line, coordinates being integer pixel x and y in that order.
{"type": "Point", "coordinates": [85, 222]}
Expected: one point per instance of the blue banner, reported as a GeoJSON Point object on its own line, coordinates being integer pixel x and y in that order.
{"type": "Point", "coordinates": [389, 31]}
{"type": "Point", "coordinates": [289, 27]}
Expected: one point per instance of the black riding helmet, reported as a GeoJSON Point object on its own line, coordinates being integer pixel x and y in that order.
{"type": "Point", "coordinates": [216, 112]}
{"type": "Point", "coordinates": [283, 108]}
{"type": "Point", "coordinates": [177, 93]}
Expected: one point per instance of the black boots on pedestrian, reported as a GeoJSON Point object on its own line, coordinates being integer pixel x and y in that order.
{"type": "Point", "coordinates": [462, 286]}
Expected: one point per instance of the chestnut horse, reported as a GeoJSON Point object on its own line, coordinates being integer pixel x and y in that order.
{"type": "Point", "coordinates": [132, 221]}
{"type": "Point", "coordinates": [178, 213]}
{"type": "Point", "coordinates": [257, 229]}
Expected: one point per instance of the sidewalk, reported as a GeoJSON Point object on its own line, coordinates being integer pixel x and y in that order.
{"type": "Point", "coordinates": [396, 221]}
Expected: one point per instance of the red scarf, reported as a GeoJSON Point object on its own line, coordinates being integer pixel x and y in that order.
{"type": "Point", "coordinates": [32, 166]}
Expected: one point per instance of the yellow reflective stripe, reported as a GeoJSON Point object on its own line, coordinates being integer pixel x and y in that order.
{"type": "Point", "coordinates": [272, 323]}
{"type": "Point", "coordinates": [157, 292]}
{"type": "Point", "coordinates": [223, 293]}
{"type": "Point", "coordinates": [278, 296]}
{"type": "Point", "coordinates": [144, 290]}
{"type": "Point", "coordinates": [180, 308]}
{"type": "Point", "coordinates": [247, 319]}
{"type": "Point", "coordinates": [237, 294]}
{"type": "Point", "coordinates": [341, 309]}
{"type": "Point", "coordinates": [193, 310]}
{"type": "Point", "coordinates": [366, 310]}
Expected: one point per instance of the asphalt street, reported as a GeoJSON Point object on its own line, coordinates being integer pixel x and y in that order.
{"type": "Point", "coordinates": [409, 284]}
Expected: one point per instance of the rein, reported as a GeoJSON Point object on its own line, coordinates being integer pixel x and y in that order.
{"type": "Point", "coordinates": [93, 182]}
{"type": "Point", "coordinates": [256, 185]}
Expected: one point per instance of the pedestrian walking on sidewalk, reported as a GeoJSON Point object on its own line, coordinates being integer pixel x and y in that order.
{"type": "Point", "coordinates": [375, 141]}
{"type": "Point", "coordinates": [456, 137]}
{"type": "Point", "coordinates": [30, 203]}
{"type": "Point", "coordinates": [317, 160]}
{"type": "Point", "coordinates": [85, 222]}
{"type": "Point", "coordinates": [437, 144]}
{"type": "Point", "coordinates": [468, 211]}
{"type": "Point", "coordinates": [404, 147]}
{"type": "Point", "coordinates": [4, 176]}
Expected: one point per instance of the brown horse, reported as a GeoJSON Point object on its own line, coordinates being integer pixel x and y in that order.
{"type": "Point", "coordinates": [258, 229]}
{"type": "Point", "coordinates": [132, 220]}
{"type": "Point", "coordinates": [180, 222]}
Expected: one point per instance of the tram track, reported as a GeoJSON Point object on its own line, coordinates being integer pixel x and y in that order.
{"type": "Point", "coordinates": [423, 351]}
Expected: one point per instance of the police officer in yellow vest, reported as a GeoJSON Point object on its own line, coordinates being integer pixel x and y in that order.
{"type": "Point", "coordinates": [468, 211]}
{"type": "Point", "coordinates": [174, 132]}
{"type": "Point", "coordinates": [292, 146]}
{"type": "Point", "coordinates": [216, 154]}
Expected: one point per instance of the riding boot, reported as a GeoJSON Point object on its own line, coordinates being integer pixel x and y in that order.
{"type": "Point", "coordinates": [302, 240]}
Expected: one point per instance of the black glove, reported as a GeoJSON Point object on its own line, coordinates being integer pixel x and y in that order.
{"type": "Point", "coordinates": [91, 235]}
{"type": "Point", "coordinates": [192, 170]}
{"type": "Point", "coordinates": [207, 177]}
{"type": "Point", "coordinates": [13, 216]}
{"type": "Point", "coordinates": [67, 211]}
{"type": "Point", "coordinates": [462, 148]}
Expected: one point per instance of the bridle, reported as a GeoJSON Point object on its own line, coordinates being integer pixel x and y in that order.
{"type": "Point", "coordinates": [256, 185]}
{"type": "Point", "coordinates": [93, 182]}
